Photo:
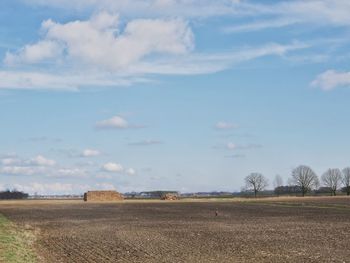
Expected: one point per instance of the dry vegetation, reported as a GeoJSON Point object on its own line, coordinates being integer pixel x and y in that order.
{"type": "Point", "coordinates": [267, 230]}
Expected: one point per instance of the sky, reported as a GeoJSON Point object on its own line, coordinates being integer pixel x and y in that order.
{"type": "Point", "coordinates": [187, 95]}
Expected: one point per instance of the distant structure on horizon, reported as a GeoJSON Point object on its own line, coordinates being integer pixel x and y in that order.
{"type": "Point", "coordinates": [103, 196]}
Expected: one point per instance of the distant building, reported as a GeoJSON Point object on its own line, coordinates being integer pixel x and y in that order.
{"type": "Point", "coordinates": [102, 196]}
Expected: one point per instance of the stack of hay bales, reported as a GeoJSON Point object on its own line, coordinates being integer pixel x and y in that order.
{"type": "Point", "coordinates": [103, 196]}
{"type": "Point", "coordinates": [169, 196]}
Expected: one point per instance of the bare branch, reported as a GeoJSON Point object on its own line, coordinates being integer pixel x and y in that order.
{"type": "Point", "coordinates": [304, 177]}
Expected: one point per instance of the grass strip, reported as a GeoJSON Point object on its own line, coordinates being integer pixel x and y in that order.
{"type": "Point", "coordinates": [15, 244]}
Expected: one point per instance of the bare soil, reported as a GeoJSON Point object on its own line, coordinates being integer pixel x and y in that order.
{"type": "Point", "coordinates": [267, 230]}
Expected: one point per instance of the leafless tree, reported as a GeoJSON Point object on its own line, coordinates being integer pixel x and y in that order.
{"type": "Point", "coordinates": [346, 179]}
{"type": "Point", "coordinates": [304, 177]}
{"type": "Point", "coordinates": [332, 178]}
{"type": "Point", "coordinates": [256, 182]}
{"type": "Point", "coordinates": [277, 183]}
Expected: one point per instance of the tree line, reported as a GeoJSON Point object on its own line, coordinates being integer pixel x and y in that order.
{"type": "Point", "coordinates": [14, 194]}
{"type": "Point", "coordinates": [302, 181]}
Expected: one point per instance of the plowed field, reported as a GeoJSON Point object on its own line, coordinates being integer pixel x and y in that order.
{"type": "Point", "coordinates": [276, 230]}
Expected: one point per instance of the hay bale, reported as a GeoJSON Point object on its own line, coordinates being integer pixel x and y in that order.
{"type": "Point", "coordinates": [103, 196]}
{"type": "Point", "coordinates": [169, 196]}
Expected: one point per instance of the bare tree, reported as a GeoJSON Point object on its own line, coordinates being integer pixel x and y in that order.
{"type": "Point", "coordinates": [304, 177]}
{"type": "Point", "coordinates": [277, 183]}
{"type": "Point", "coordinates": [332, 178]}
{"type": "Point", "coordinates": [256, 182]}
{"type": "Point", "coordinates": [346, 179]}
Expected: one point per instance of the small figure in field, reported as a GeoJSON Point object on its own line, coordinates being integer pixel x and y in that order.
{"type": "Point", "coordinates": [216, 212]}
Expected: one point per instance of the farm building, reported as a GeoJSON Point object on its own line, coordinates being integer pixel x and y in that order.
{"type": "Point", "coordinates": [101, 196]}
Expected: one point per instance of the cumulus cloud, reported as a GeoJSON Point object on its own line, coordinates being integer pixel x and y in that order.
{"type": "Point", "coordinates": [100, 42]}
{"type": "Point", "coordinates": [10, 161]}
{"type": "Point", "coordinates": [42, 161]}
{"type": "Point", "coordinates": [116, 122]}
{"type": "Point", "coordinates": [331, 79]}
{"type": "Point", "coordinates": [113, 167]}
{"type": "Point", "coordinates": [22, 170]}
{"type": "Point", "coordinates": [34, 166]}
{"type": "Point", "coordinates": [90, 153]}
{"type": "Point", "coordinates": [99, 52]}
{"type": "Point", "coordinates": [35, 53]}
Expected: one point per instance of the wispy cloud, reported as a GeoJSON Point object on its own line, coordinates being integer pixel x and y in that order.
{"type": "Point", "coordinates": [151, 8]}
{"type": "Point", "coordinates": [260, 25]}
{"type": "Point", "coordinates": [286, 13]}
{"type": "Point", "coordinates": [331, 79]}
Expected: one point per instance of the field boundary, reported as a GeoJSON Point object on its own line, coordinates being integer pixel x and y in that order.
{"type": "Point", "coordinates": [15, 244]}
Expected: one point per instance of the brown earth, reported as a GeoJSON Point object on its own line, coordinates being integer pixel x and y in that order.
{"type": "Point", "coordinates": [267, 230]}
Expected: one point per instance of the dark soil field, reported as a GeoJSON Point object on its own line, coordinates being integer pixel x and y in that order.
{"type": "Point", "coordinates": [268, 230]}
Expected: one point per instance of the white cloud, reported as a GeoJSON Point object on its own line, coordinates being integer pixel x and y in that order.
{"type": "Point", "coordinates": [98, 52]}
{"type": "Point", "coordinates": [38, 52]}
{"type": "Point", "coordinates": [233, 146]}
{"type": "Point", "coordinates": [113, 167]}
{"type": "Point", "coordinates": [222, 125]}
{"type": "Point", "coordinates": [115, 122]}
{"type": "Point", "coordinates": [90, 153]}
{"type": "Point", "coordinates": [98, 42]}
{"type": "Point", "coordinates": [22, 170]}
{"type": "Point", "coordinates": [332, 79]}
{"type": "Point", "coordinates": [68, 81]}
{"type": "Point", "coordinates": [260, 25]}
{"type": "Point", "coordinates": [51, 188]}
{"type": "Point", "coordinates": [41, 161]}
{"type": "Point", "coordinates": [10, 161]}
{"type": "Point", "coordinates": [286, 13]}
{"type": "Point", "coordinates": [130, 171]}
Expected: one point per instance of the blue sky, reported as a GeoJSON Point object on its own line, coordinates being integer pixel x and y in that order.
{"type": "Point", "coordinates": [170, 94]}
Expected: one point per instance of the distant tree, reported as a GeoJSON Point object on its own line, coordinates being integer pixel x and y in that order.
{"type": "Point", "coordinates": [332, 178]}
{"type": "Point", "coordinates": [346, 180]}
{"type": "Point", "coordinates": [14, 194]}
{"type": "Point", "coordinates": [288, 189]}
{"type": "Point", "coordinates": [304, 177]}
{"type": "Point", "coordinates": [277, 183]}
{"type": "Point", "coordinates": [256, 182]}
{"type": "Point", "coordinates": [323, 190]}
